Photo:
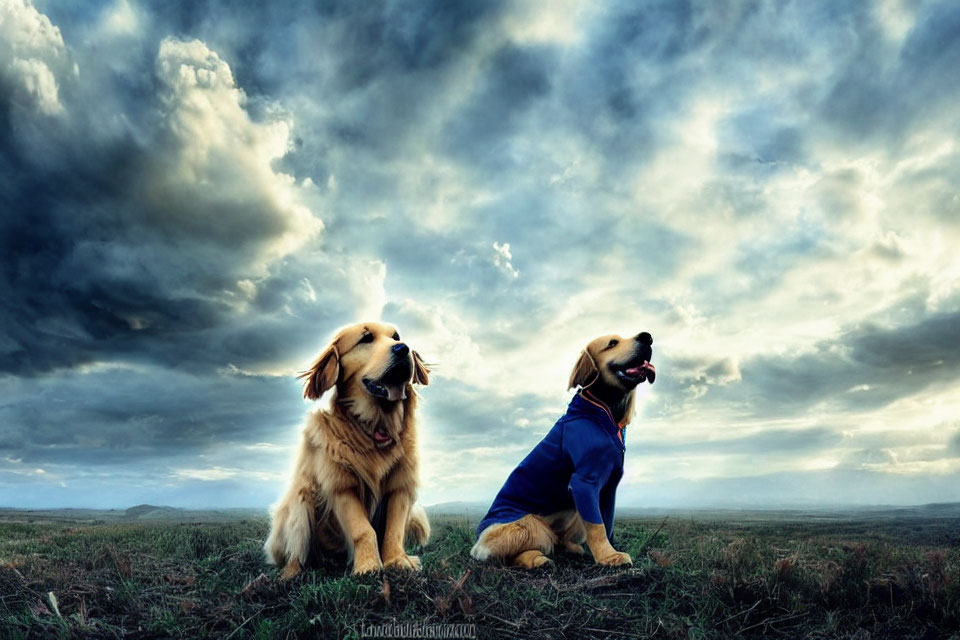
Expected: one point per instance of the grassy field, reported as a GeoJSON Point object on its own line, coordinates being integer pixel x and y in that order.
{"type": "Point", "coordinates": [699, 576]}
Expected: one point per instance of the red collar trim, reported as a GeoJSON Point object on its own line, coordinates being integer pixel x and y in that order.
{"type": "Point", "coordinates": [586, 395]}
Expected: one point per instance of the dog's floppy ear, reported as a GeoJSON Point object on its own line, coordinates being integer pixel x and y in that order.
{"type": "Point", "coordinates": [584, 372]}
{"type": "Point", "coordinates": [323, 374]}
{"type": "Point", "coordinates": [421, 374]}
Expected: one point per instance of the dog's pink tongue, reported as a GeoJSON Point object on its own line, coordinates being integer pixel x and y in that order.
{"type": "Point", "coordinates": [635, 371]}
{"type": "Point", "coordinates": [380, 436]}
{"type": "Point", "coordinates": [394, 393]}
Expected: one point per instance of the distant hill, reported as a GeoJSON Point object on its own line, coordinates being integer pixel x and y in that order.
{"type": "Point", "coordinates": [476, 510]}
{"type": "Point", "coordinates": [153, 512]}
{"type": "Point", "coordinates": [935, 509]}
{"type": "Point", "coordinates": [149, 511]}
{"type": "Point", "coordinates": [139, 513]}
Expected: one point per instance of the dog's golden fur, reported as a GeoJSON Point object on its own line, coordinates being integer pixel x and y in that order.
{"type": "Point", "coordinates": [528, 541]}
{"type": "Point", "coordinates": [359, 454]}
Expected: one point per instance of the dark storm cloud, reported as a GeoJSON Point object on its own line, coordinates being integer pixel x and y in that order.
{"type": "Point", "coordinates": [124, 241]}
{"type": "Point", "coordinates": [513, 80]}
{"type": "Point", "coordinates": [114, 256]}
{"type": "Point", "coordinates": [129, 236]}
{"type": "Point", "coordinates": [705, 370]}
{"type": "Point", "coordinates": [460, 416]}
{"type": "Point", "coordinates": [415, 62]}
{"type": "Point", "coordinates": [867, 367]}
{"type": "Point", "coordinates": [630, 74]}
{"type": "Point", "coordinates": [335, 61]}
{"type": "Point", "coordinates": [861, 82]}
{"type": "Point", "coordinates": [912, 84]}
{"type": "Point", "coordinates": [122, 415]}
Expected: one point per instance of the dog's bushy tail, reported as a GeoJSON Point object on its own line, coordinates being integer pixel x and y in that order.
{"type": "Point", "coordinates": [418, 526]}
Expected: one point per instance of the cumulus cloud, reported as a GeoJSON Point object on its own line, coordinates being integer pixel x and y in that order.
{"type": "Point", "coordinates": [700, 373]}
{"type": "Point", "coordinates": [216, 181]}
{"type": "Point", "coordinates": [146, 238]}
{"type": "Point", "coordinates": [34, 55]}
{"type": "Point", "coordinates": [878, 364]}
{"type": "Point", "coordinates": [502, 259]}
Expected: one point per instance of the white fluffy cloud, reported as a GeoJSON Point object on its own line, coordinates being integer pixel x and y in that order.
{"type": "Point", "coordinates": [218, 171]}
{"type": "Point", "coordinates": [32, 56]}
{"type": "Point", "coordinates": [502, 259]}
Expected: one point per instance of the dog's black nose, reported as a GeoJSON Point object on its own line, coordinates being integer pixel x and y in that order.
{"type": "Point", "coordinates": [400, 349]}
{"type": "Point", "coordinates": [644, 338]}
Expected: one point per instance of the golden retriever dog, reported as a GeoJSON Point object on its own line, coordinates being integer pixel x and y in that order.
{"type": "Point", "coordinates": [355, 478]}
{"type": "Point", "coordinates": [563, 492]}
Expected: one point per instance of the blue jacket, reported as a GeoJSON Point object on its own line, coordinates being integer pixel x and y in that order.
{"type": "Point", "coordinates": [577, 464]}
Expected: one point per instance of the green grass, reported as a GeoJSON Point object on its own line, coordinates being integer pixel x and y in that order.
{"type": "Point", "coordinates": [696, 578]}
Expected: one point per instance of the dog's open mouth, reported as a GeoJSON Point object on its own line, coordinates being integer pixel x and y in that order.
{"type": "Point", "coordinates": [392, 385]}
{"type": "Point", "coordinates": [381, 438]}
{"type": "Point", "coordinates": [632, 373]}
{"type": "Point", "coordinates": [389, 392]}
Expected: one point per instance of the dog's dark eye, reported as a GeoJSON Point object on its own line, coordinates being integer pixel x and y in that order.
{"type": "Point", "coordinates": [367, 337]}
{"type": "Point", "coordinates": [396, 336]}
{"type": "Point", "coordinates": [613, 343]}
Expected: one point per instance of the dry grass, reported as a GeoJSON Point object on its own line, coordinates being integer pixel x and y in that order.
{"type": "Point", "coordinates": [694, 578]}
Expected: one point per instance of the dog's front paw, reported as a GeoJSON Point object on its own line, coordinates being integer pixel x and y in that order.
{"type": "Point", "coordinates": [532, 559]}
{"type": "Point", "coordinates": [615, 559]}
{"type": "Point", "coordinates": [403, 561]}
{"type": "Point", "coordinates": [366, 563]}
{"type": "Point", "coordinates": [573, 547]}
{"type": "Point", "coordinates": [291, 570]}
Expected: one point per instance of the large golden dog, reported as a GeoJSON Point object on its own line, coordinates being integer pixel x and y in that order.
{"type": "Point", "coordinates": [563, 492]}
{"type": "Point", "coordinates": [355, 480]}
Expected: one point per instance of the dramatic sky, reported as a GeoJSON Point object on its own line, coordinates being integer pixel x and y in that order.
{"type": "Point", "coordinates": [195, 196]}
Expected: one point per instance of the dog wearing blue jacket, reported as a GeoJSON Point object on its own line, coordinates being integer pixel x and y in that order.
{"type": "Point", "coordinates": [563, 493]}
